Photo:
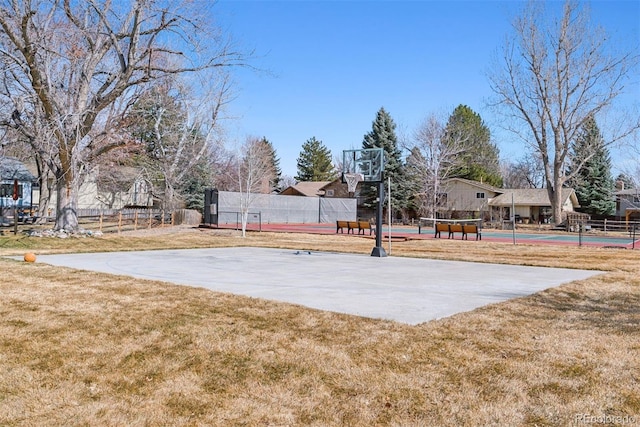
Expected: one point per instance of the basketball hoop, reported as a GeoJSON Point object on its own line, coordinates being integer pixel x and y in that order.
{"type": "Point", "coordinates": [352, 180]}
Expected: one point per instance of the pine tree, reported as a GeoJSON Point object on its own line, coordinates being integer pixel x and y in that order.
{"type": "Point", "coordinates": [274, 183]}
{"type": "Point", "coordinates": [314, 162]}
{"type": "Point", "coordinates": [590, 168]}
{"type": "Point", "coordinates": [479, 160]}
{"type": "Point", "coordinates": [383, 135]}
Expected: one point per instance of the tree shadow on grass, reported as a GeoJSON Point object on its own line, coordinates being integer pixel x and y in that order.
{"type": "Point", "coordinates": [611, 312]}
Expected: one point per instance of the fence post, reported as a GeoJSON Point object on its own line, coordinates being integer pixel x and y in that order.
{"type": "Point", "coordinates": [100, 228]}
{"type": "Point", "coordinates": [119, 221]}
{"type": "Point", "coordinates": [149, 214]}
{"type": "Point", "coordinates": [605, 226]}
{"type": "Point", "coordinates": [135, 220]}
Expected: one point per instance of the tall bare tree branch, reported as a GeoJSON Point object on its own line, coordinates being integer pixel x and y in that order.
{"type": "Point", "coordinates": [73, 60]}
{"type": "Point", "coordinates": [553, 75]}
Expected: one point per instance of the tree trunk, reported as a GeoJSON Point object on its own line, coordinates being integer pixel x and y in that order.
{"type": "Point", "coordinates": [44, 199]}
{"type": "Point", "coordinates": [66, 207]}
{"type": "Point", "coordinates": [245, 219]}
{"type": "Point", "coordinates": [555, 197]}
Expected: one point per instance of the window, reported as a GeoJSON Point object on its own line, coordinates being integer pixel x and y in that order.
{"type": "Point", "coordinates": [479, 195]}
{"type": "Point", "coordinates": [441, 199]}
{"type": "Point", "coordinates": [6, 190]}
{"type": "Point", "coordinates": [329, 193]}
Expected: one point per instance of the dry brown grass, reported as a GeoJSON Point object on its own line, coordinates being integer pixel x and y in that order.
{"type": "Point", "coordinates": [80, 348]}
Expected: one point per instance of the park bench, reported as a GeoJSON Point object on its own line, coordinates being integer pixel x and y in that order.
{"type": "Point", "coordinates": [455, 228]}
{"type": "Point", "coordinates": [440, 228]}
{"type": "Point", "coordinates": [471, 229]}
{"type": "Point", "coordinates": [349, 225]}
{"type": "Point", "coordinates": [365, 225]}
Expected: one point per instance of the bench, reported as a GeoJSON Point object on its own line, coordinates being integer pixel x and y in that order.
{"type": "Point", "coordinates": [440, 228]}
{"type": "Point", "coordinates": [471, 229]}
{"type": "Point", "coordinates": [455, 228]}
{"type": "Point", "coordinates": [465, 230]}
{"type": "Point", "coordinates": [365, 225]}
{"type": "Point", "coordinates": [349, 225]}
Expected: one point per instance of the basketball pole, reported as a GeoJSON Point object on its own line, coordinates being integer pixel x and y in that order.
{"type": "Point", "coordinates": [379, 251]}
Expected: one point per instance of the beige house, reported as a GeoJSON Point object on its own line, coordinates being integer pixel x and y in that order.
{"type": "Point", "coordinates": [531, 204]}
{"type": "Point", "coordinates": [463, 198]}
{"type": "Point", "coordinates": [94, 195]}
{"type": "Point", "coordinates": [460, 198]}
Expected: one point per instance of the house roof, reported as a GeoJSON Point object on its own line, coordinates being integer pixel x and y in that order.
{"type": "Point", "coordinates": [477, 184]}
{"type": "Point", "coordinates": [531, 197]}
{"type": "Point", "coordinates": [306, 188]}
{"type": "Point", "coordinates": [628, 192]}
{"type": "Point", "coordinates": [11, 168]}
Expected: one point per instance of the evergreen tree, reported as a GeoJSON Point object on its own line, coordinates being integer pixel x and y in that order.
{"type": "Point", "coordinates": [192, 187]}
{"type": "Point", "coordinates": [383, 135]}
{"type": "Point", "coordinates": [173, 145]}
{"type": "Point", "coordinates": [314, 162]}
{"type": "Point", "coordinates": [590, 171]}
{"type": "Point", "coordinates": [480, 158]}
{"type": "Point", "coordinates": [274, 184]}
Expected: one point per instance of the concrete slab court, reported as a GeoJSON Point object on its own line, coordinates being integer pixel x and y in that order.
{"type": "Point", "coordinates": [408, 290]}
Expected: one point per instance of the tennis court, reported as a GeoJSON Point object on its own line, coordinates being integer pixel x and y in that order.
{"type": "Point", "coordinates": [619, 240]}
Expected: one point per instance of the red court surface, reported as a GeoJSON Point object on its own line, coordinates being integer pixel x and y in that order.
{"type": "Point", "coordinates": [617, 240]}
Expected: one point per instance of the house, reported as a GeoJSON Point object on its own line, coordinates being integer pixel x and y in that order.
{"type": "Point", "coordinates": [104, 191]}
{"type": "Point", "coordinates": [306, 189]}
{"type": "Point", "coordinates": [628, 204]}
{"type": "Point", "coordinates": [463, 198]}
{"type": "Point", "coordinates": [12, 172]}
{"type": "Point", "coordinates": [531, 204]}
{"type": "Point", "coordinates": [460, 197]}
{"type": "Point", "coordinates": [329, 189]}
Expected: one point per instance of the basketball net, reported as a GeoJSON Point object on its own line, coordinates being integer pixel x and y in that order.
{"type": "Point", "coordinates": [352, 180]}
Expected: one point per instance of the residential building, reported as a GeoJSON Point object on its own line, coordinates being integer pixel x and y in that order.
{"type": "Point", "coordinates": [15, 177]}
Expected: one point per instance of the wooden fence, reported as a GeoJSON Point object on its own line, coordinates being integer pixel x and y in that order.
{"type": "Point", "coordinates": [117, 220]}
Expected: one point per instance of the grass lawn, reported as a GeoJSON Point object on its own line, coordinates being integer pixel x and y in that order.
{"type": "Point", "coordinates": [83, 348]}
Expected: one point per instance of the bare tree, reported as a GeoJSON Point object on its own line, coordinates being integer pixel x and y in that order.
{"type": "Point", "coordinates": [554, 75]}
{"type": "Point", "coordinates": [287, 181]}
{"type": "Point", "coordinates": [255, 172]}
{"type": "Point", "coordinates": [526, 172]}
{"type": "Point", "coordinates": [631, 166]}
{"type": "Point", "coordinates": [70, 63]}
{"type": "Point", "coordinates": [177, 122]}
{"type": "Point", "coordinates": [432, 160]}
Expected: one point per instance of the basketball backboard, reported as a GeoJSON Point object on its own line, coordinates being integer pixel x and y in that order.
{"type": "Point", "coordinates": [367, 161]}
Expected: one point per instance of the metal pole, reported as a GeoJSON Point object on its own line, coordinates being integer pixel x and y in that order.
{"type": "Point", "coordinates": [389, 213]}
{"type": "Point", "coordinates": [15, 218]}
{"type": "Point", "coordinates": [513, 218]}
{"type": "Point", "coordinates": [580, 225]}
{"type": "Point", "coordinates": [379, 251]}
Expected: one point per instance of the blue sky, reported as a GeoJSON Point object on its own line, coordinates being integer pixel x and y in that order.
{"type": "Point", "coordinates": [326, 67]}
